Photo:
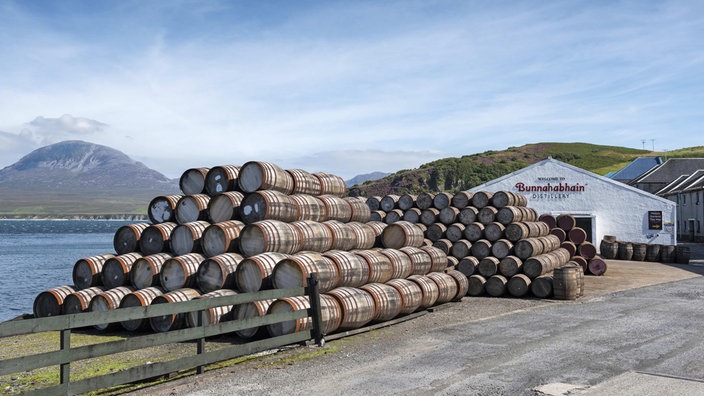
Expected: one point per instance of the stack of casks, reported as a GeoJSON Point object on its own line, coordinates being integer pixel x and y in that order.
{"type": "Point", "coordinates": [257, 226]}
{"type": "Point", "coordinates": [612, 248]}
{"type": "Point", "coordinates": [574, 239]}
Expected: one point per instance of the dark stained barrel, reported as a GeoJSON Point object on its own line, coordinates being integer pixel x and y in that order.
{"type": "Point", "coordinates": [462, 199]}
{"type": "Point", "coordinates": [186, 237]}
{"type": "Point", "coordinates": [268, 205]}
{"type": "Point", "coordinates": [254, 273]}
{"type": "Point", "coordinates": [225, 206]}
{"type": "Point", "coordinates": [50, 302]}
{"type": "Point", "coordinates": [145, 270]}
{"type": "Point", "coordinates": [126, 239]}
{"type": "Point", "coordinates": [218, 272]}
{"type": "Point", "coordinates": [156, 238]}
{"type": "Point", "coordinates": [192, 208]}
{"type": "Point", "coordinates": [223, 237]}
{"type": "Point", "coordinates": [424, 200]}
{"type": "Point", "coordinates": [221, 179]}
{"type": "Point", "coordinates": [180, 272]}
{"type": "Point", "coordinates": [257, 175]}
{"type": "Point", "coordinates": [139, 298]}
{"type": "Point", "coordinates": [162, 209]}
{"type": "Point", "coordinates": [86, 271]}
{"type": "Point", "coordinates": [165, 323]}
{"type": "Point", "coordinates": [116, 270]}
{"type": "Point", "coordinates": [192, 181]}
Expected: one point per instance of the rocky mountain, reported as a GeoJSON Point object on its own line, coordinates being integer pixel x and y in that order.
{"type": "Point", "coordinates": [359, 179]}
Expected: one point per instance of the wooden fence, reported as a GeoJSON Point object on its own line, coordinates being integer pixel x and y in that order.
{"type": "Point", "coordinates": [65, 323]}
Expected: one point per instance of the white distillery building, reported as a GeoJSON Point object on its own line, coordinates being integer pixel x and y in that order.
{"type": "Point", "coordinates": [601, 206]}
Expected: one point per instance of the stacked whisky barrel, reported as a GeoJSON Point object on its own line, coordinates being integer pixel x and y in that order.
{"type": "Point", "coordinates": [612, 248]}
{"type": "Point", "coordinates": [247, 228]}
{"type": "Point", "coordinates": [574, 239]}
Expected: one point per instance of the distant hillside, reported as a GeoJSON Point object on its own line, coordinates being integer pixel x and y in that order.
{"type": "Point", "coordinates": [75, 177]}
{"type": "Point", "coordinates": [456, 174]}
{"type": "Point", "coordinates": [359, 179]}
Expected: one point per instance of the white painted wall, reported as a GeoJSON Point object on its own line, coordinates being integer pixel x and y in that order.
{"type": "Point", "coordinates": [617, 209]}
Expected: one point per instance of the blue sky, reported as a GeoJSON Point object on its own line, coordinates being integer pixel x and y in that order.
{"type": "Point", "coordinates": [348, 87]}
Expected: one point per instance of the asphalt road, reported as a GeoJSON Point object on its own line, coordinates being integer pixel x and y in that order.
{"type": "Point", "coordinates": [646, 340]}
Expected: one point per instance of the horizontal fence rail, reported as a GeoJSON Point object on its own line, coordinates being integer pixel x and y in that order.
{"type": "Point", "coordinates": [66, 355]}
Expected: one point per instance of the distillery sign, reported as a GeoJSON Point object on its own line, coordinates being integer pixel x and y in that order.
{"type": "Point", "coordinates": [549, 188]}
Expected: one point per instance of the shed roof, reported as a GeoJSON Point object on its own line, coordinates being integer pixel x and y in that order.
{"type": "Point", "coordinates": [636, 168]}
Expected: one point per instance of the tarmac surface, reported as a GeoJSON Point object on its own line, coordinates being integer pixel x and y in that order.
{"type": "Point", "coordinates": [636, 331]}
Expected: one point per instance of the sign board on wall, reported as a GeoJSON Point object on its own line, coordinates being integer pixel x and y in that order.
{"type": "Point", "coordinates": [655, 219]}
{"type": "Point", "coordinates": [549, 188]}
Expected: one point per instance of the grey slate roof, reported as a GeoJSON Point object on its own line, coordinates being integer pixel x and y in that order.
{"type": "Point", "coordinates": [638, 167]}
{"type": "Point", "coordinates": [671, 170]}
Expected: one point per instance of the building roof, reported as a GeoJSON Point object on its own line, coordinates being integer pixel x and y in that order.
{"type": "Point", "coordinates": [684, 183]}
{"type": "Point", "coordinates": [638, 167]}
{"type": "Point", "coordinates": [671, 170]}
{"type": "Point", "coordinates": [673, 186]}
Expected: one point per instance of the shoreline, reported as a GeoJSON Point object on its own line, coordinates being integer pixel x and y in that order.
{"type": "Point", "coordinates": [105, 217]}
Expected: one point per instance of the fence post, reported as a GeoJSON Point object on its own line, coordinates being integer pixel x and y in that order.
{"type": "Point", "coordinates": [200, 322]}
{"type": "Point", "coordinates": [315, 312]}
{"type": "Point", "coordinates": [65, 368]}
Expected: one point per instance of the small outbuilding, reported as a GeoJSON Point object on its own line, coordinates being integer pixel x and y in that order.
{"type": "Point", "coordinates": [601, 206]}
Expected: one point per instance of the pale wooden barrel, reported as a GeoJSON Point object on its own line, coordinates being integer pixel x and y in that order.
{"type": "Point", "coordinates": [443, 244]}
{"type": "Point", "coordinates": [314, 236]}
{"type": "Point", "coordinates": [126, 239]}
{"type": "Point", "coordinates": [544, 263]}
{"type": "Point", "coordinates": [49, 302]}
{"type": "Point", "coordinates": [186, 237]}
{"type": "Point", "coordinates": [180, 272]}
{"type": "Point", "coordinates": [268, 205]}
{"type": "Point", "coordinates": [254, 273]}
{"type": "Point", "coordinates": [192, 208]}
{"type": "Point", "coordinates": [79, 301]}
{"type": "Point", "coordinates": [294, 272]}
{"type": "Point", "coordinates": [107, 301]}
{"type": "Point", "coordinates": [411, 294]}
{"type": "Point", "coordinates": [343, 236]}
{"type": "Point", "coordinates": [400, 234]}
{"type": "Point", "coordinates": [420, 260]}
{"type": "Point", "coordinates": [116, 270]}
{"type": "Point", "coordinates": [462, 284]}
{"type": "Point", "coordinates": [477, 285]}
{"type": "Point", "coordinates": [496, 285]}
{"type": "Point", "coordinates": [481, 199]}
{"type": "Point", "coordinates": [429, 216]}
{"type": "Point", "coordinates": [429, 289]}
{"type": "Point", "coordinates": [541, 286]}
{"type": "Point", "coordinates": [164, 323]}
{"type": "Point", "coordinates": [406, 201]}
{"type": "Point", "coordinates": [145, 270]}
{"type": "Point", "coordinates": [448, 215]}
{"type": "Point", "coordinates": [438, 258]}
{"type": "Point", "coordinates": [192, 181]}
{"type": "Point", "coordinates": [481, 249]}
{"type": "Point", "coordinates": [251, 310]}
{"type": "Point", "coordinates": [304, 182]}
{"type": "Point", "coordinates": [455, 232]}
{"type": "Point", "coordinates": [86, 271]}
{"type": "Point", "coordinates": [331, 184]}
{"type": "Point", "coordinates": [221, 238]}
{"type": "Point", "coordinates": [501, 248]}
{"type": "Point", "coordinates": [412, 215]}
{"type": "Point", "coordinates": [336, 208]}
{"type": "Point", "coordinates": [360, 210]}
{"type": "Point", "coordinates": [378, 228]}
{"type": "Point", "coordinates": [310, 208]}
{"type": "Point", "coordinates": [468, 265]}
{"type": "Point", "coordinates": [436, 231]}
{"type": "Point", "coordinates": [474, 231]}
{"type": "Point", "coordinates": [374, 203]}
{"type": "Point", "coordinates": [258, 175]}
{"type": "Point", "coordinates": [156, 238]}
{"type": "Point", "coordinates": [488, 266]}
{"type": "Point", "coordinates": [424, 200]}
{"type": "Point", "coordinates": [461, 249]}
{"type": "Point", "coordinates": [162, 209]}
{"type": "Point", "coordinates": [380, 269]}
{"type": "Point", "coordinates": [330, 315]}
{"type": "Point", "coordinates": [510, 266]}
{"type": "Point", "coordinates": [387, 301]}
{"type": "Point", "coordinates": [218, 272]}
{"type": "Point", "coordinates": [139, 298]}
{"type": "Point", "coordinates": [352, 269]}
{"type": "Point", "coordinates": [462, 199]}
{"type": "Point", "coordinates": [269, 236]}
{"type": "Point", "coordinates": [225, 206]}
{"type": "Point", "coordinates": [357, 306]}
{"type": "Point", "coordinates": [213, 315]}
{"type": "Point", "coordinates": [222, 178]}
{"type": "Point", "coordinates": [389, 202]}
{"type": "Point", "coordinates": [365, 235]}
{"type": "Point", "coordinates": [494, 231]}
{"type": "Point", "coordinates": [401, 264]}
{"type": "Point", "coordinates": [468, 215]}
{"type": "Point", "coordinates": [565, 285]}
{"type": "Point", "coordinates": [519, 285]}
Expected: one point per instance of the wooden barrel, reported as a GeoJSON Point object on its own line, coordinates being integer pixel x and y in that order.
{"type": "Point", "coordinates": [560, 233]}
{"type": "Point", "coordinates": [639, 251]}
{"type": "Point", "coordinates": [462, 284]}
{"type": "Point", "coordinates": [254, 273]}
{"type": "Point", "coordinates": [429, 216]}
{"type": "Point", "coordinates": [221, 238]}
{"type": "Point", "coordinates": [436, 231]}
{"type": "Point", "coordinates": [511, 214]}
{"type": "Point", "coordinates": [269, 236]}
{"type": "Point", "coordinates": [79, 300]}
{"type": "Point", "coordinates": [496, 286]}
{"type": "Point", "coordinates": [548, 219]}
{"type": "Point", "coordinates": [213, 315]}
{"type": "Point", "coordinates": [597, 266]}
{"type": "Point", "coordinates": [331, 184]}
{"type": "Point", "coordinates": [411, 294]}
{"type": "Point", "coordinates": [380, 269]}
{"type": "Point", "coordinates": [438, 258]}
{"type": "Point", "coordinates": [481, 249]}
{"type": "Point", "coordinates": [682, 254]}
{"type": "Point", "coordinates": [162, 209]}
{"type": "Point", "coordinates": [186, 237]}
{"type": "Point", "coordinates": [360, 210]}
{"type": "Point", "coordinates": [353, 270]}
{"type": "Point", "coordinates": [251, 310]}
{"type": "Point", "coordinates": [652, 252]}
{"type": "Point", "coordinates": [192, 181]}
{"type": "Point", "coordinates": [510, 266]}
{"type": "Point", "coordinates": [502, 199]}
{"type": "Point", "coordinates": [488, 266]}
{"type": "Point", "coordinates": [625, 251]}
{"type": "Point", "coordinates": [107, 301]}
{"type": "Point", "coordinates": [420, 260]}
{"type": "Point", "coordinates": [393, 216]}
{"type": "Point", "coordinates": [447, 286]}
{"type": "Point", "coordinates": [541, 286]}
{"type": "Point", "coordinates": [330, 313]}
{"type": "Point", "coordinates": [389, 202]}
{"type": "Point", "coordinates": [126, 239]}
{"type": "Point", "coordinates": [528, 247]}
{"type": "Point", "coordinates": [477, 285]}
{"type": "Point", "coordinates": [401, 264]}
{"type": "Point", "coordinates": [387, 301]}
{"type": "Point", "coordinates": [461, 199]}
{"type": "Point", "coordinates": [156, 238]}
{"type": "Point", "coordinates": [86, 271]}
{"type": "Point", "coordinates": [164, 323]}
{"type": "Point", "coordinates": [343, 236]}
{"type": "Point", "coordinates": [481, 199]}
{"type": "Point", "coordinates": [145, 270]}
{"type": "Point", "coordinates": [259, 175]}
{"type": "Point", "coordinates": [400, 234]}
{"type": "Point", "coordinates": [487, 215]}
{"type": "Point", "coordinates": [577, 235]}
{"type": "Point", "coordinates": [406, 201]}
{"type": "Point", "coordinates": [357, 306]}
{"type": "Point", "coordinates": [443, 244]}
{"type": "Point", "coordinates": [501, 248]}
{"type": "Point", "coordinates": [608, 250]}
{"type": "Point", "coordinates": [544, 263]}
{"type": "Point", "coordinates": [294, 271]}
{"type": "Point", "coordinates": [304, 182]}
{"type": "Point", "coordinates": [222, 178]}
{"type": "Point", "coordinates": [586, 250]}
{"type": "Point", "coordinates": [424, 200]}
{"type": "Point", "coordinates": [314, 236]}
{"type": "Point", "coordinates": [468, 265]}
{"type": "Point", "coordinates": [566, 221]}
{"type": "Point", "coordinates": [374, 203]}
{"type": "Point", "coordinates": [584, 263]}
{"type": "Point", "coordinates": [180, 272]}
{"type": "Point", "coordinates": [519, 285]}
{"type": "Point", "coordinates": [268, 205]}
{"type": "Point", "coordinates": [468, 215]}
{"type": "Point", "coordinates": [565, 284]}
{"type": "Point", "coordinates": [516, 231]}
{"type": "Point", "coordinates": [225, 206]}
{"type": "Point", "coordinates": [218, 272]}
{"type": "Point", "coordinates": [429, 289]}
{"type": "Point", "coordinates": [364, 235]}
{"type": "Point", "coordinates": [455, 232]}
{"type": "Point", "coordinates": [494, 231]}
{"type": "Point", "coordinates": [474, 231]}
{"type": "Point", "coordinates": [139, 298]}
{"type": "Point", "coordinates": [50, 302]}
{"type": "Point", "coordinates": [116, 270]}
{"type": "Point", "coordinates": [442, 200]}
{"type": "Point", "coordinates": [448, 215]}
{"type": "Point", "coordinates": [412, 215]}
{"type": "Point", "coordinates": [192, 208]}
{"type": "Point", "coordinates": [310, 208]}
{"type": "Point", "coordinates": [580, 277]}
{"type": "Point", "coordinates": [668, 254]}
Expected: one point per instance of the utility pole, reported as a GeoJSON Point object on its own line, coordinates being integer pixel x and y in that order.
{"type": "Point", "coordinates": [643, 141]}
{"type": "Point", "coordinates": [653, 142]}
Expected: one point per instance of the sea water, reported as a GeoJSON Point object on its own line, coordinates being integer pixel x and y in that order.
{"type": "Point", "coordinates": [37, 255]}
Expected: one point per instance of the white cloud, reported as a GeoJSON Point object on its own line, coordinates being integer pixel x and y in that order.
{"type": "Point", "coordinates": [45, 131]}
